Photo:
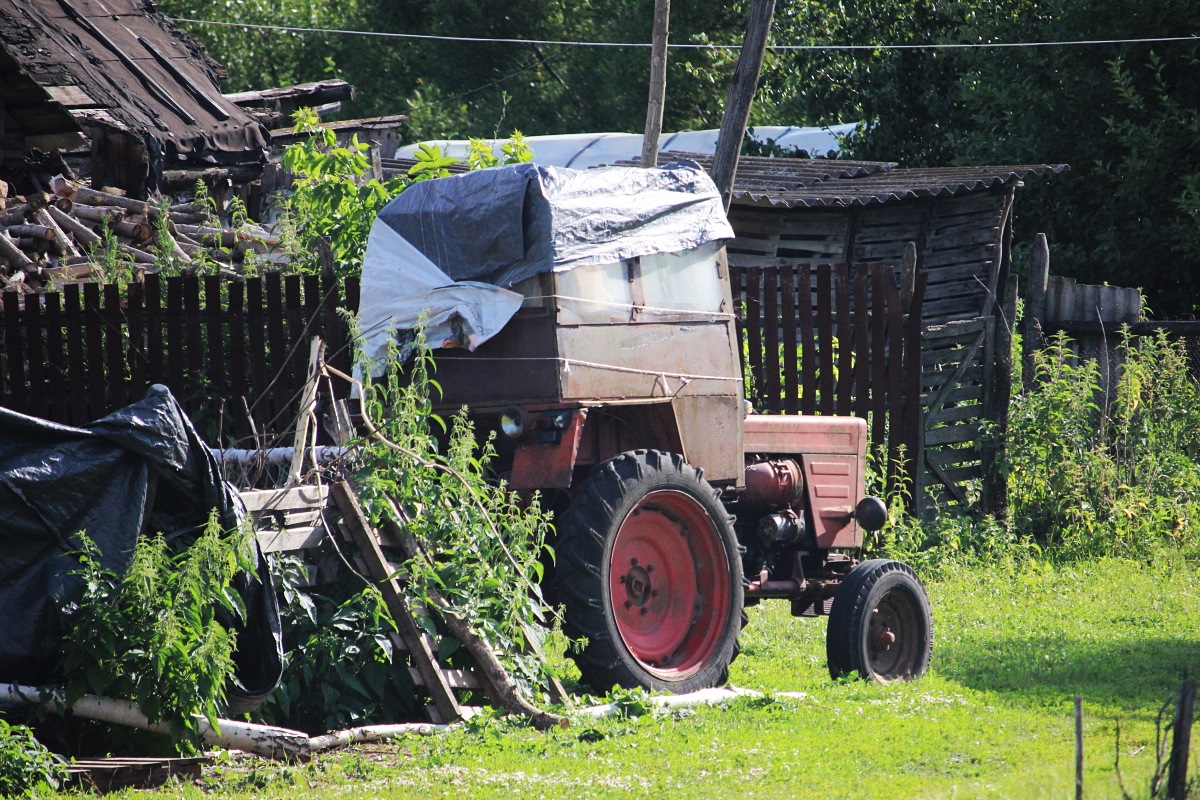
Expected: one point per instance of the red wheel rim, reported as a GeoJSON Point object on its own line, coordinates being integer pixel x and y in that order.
{"type": "Point", "coordinates": [669, 585]}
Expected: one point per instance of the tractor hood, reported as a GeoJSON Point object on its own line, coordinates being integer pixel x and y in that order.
{"type": "Point", "coordinates": [447, 250]}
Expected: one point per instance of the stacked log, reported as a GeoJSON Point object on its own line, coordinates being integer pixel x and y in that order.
{"type": "Point", "coordinates": [56, 237]}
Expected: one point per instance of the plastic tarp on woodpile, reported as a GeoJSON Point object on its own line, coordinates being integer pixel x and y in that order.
{"type": "Point", "coordinates": [141, 470]}
{"type": "Point", "coordinates": [448, 249]}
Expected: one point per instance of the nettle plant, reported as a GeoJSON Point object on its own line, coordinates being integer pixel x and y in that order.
{"type": "Point", "coordinates": [334, 204]}
{"type": "Point", "coordinates": [484, 548]}
{"type": "Point", "coordinates": [153, 635]}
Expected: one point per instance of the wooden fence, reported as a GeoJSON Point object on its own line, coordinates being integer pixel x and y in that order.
{"type": "Point", "coordinates": [818, 342]}
{"type": "Point", "coordinates": [233, 352]}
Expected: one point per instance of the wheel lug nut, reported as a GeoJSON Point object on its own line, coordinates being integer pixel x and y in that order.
{"type": "Point", "coordinates": [629, 604]}
{"type": "Point", "coordinates": [633, 561]}
{"type": "Point", "coordinates": [643, 612]}
{"type": "Point", "coordinates": [621, 579]}
{"type": "Point", "coordinates": [649, 568]}
{"type": "Point", "coordinates": [654, 592]}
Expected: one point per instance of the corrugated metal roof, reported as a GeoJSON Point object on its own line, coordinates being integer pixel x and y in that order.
{"type": "Point", "coordinates": [811, 183]}
{"type": "Point", "coordinates": [122, 64]}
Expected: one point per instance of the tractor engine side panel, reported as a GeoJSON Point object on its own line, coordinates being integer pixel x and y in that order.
{"type": "Point", "coordinates": [832, 453]}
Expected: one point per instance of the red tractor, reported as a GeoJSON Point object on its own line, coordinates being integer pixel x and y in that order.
{"type": "Point", "coordinates": [616, 391]}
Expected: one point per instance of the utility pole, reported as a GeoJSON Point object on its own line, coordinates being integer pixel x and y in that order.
{"type": "Point", "coordinates": [741, 96]}
{"type": "Point", "coordinates": [658, 83]}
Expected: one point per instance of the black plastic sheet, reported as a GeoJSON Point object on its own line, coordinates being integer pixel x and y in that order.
{"type": "Point", "coordinates": [139, 471]}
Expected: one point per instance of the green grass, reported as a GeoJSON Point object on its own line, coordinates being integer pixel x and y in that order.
{"type": "Point", "coordinates": [992, 719]}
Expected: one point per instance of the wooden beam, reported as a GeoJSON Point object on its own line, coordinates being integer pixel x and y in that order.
{"type": "Point", "coordinates": [741, 97]}
{"type": "Point", "coordinates": [658, 83]}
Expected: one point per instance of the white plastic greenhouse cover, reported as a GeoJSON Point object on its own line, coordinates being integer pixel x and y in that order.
{"type": "Point", "coordinates": [583, 150]}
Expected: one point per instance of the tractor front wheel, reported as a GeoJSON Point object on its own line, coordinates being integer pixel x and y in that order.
{"type": "Point", "coordinates": [649, 573]}
{"type": "Point", "coordinates": [880, 625]}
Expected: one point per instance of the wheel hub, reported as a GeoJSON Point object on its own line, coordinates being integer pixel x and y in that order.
{"type": "Point", "coordinates": [637, 585]}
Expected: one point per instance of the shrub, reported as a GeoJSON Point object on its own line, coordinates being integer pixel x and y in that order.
{"type": "Point", "coordinates": [1090, 475]}
{"type": "Point", "coordinates": [25, 763]}
{"type": "Point", "coordinates": [152, 636]}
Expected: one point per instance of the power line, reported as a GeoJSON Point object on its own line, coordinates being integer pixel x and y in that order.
{"type": "Point", "coordinates": [687, 45]}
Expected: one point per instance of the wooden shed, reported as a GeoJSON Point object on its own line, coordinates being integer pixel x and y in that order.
{"type": "Point", "coordinates": [793, 217]}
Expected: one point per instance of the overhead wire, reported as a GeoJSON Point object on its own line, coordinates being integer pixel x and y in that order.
{"type": "Point", "coordinates": [687, 45]}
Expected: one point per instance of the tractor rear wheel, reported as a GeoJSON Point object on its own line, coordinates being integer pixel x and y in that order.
{"type": "Point", "coordinates": [880, 625]}
{"type": "Point", "coordinates": [649, 572]}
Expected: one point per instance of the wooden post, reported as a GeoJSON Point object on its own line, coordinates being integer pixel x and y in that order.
{"type": "Point", "coordinates": [995, 484]}
{"type": "Point", "coordinates": [1078, 747]}
{"type": "Point", "coordinates": [1035, 307]}
{"type": "Point", "coordinates": [741, 97]}
{"type": "Point", "coordinates": [1177, 774]}
{"type": "Point", "coordinates": [658, 83]}
{"type": "Point", "coordinates": [908, 276]}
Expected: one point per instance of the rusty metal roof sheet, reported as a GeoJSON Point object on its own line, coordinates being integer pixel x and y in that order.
{"type": "Point", "coordinates": [122, 64]}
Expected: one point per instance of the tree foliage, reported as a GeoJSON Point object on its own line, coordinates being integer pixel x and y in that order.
{"type": "Point", "coordinates": [1124, 116]}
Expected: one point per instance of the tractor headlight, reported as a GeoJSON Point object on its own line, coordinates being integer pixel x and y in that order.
{"type": "Point", "coordinates": [514, 422]}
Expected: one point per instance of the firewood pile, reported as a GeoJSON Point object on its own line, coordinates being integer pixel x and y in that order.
{"type": "Point", "coordinates": [48, 239]}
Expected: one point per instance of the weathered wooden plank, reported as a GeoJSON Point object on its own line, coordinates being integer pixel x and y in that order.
{"type": "Point", "coordinates": [75, 353]}
{"type": "Point", "coordinates": [58, 402]}
{"type": "Point", "coordinates": [36, 354]}
{"type": "Point", "coordinates": [290, 539]}
{"type": "Point", "coordinates": [456, 678]}
{"type": "Point", "coordinates": [16, 353]}
{"type": "Point", "coordinates": [845, 341]}
{"type": "Point", "coordinates": [239, 387]}
{"type": "Point", "coordinates": [771, 365]}
{"type": "Point", "coordinates": [827, 361]}
{"type": "Point", "coordinates": [175, 339]}
{"type": "Point", "coordinates": [93, 322]}
{"type": "Point", "coordinates": [115, 338]}
{"type": "Point", "coordinates": [293, 499]}
{"type": "Point", "coordinates": [435, 680]}
{"type": "Point", "coordinates": [754, 326]}
{"type": "Point", "coordinates": [808, 341]}
{"type": "Point", "coordinates": [862, 344]}
{"type": "Point", "coordinates": [955, 414]}
{"type": "Point", "coordinates": [956, 273]}
{"type": "Point", "coordinates": [963, 236]}
{"type": "Point", "coordinates": [135, 351]}
{"type": "Point", "coordinates": [965, 432]}
{"type": "Point", "coordinates": [959, 255]}
{"type": "Point", "coordinates": [259, 377]}
{"type": "Point", "coordinates": [957, 395]}
{"type": "Point", "coordinates": [947, 456]}
{"type": "Point", "coordinates": [791, 344]}
{"type": "Point", "coordinates": [279, 356]}
{"type": "Point", "coordinates": [880, 276]}
{"type": "Point", "coordinates": [218, 369]}
{"type": "Point", "coordinates": [155, 369]}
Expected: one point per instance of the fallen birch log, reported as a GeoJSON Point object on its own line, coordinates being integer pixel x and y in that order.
{"type": "Point", "coordinates": [65, 246]}
{"type": "Point", "coordinates": [13, 254]}
{"type": "Point", "coordinates": [268, 741]}
{"type": "Point", "coordinates": [83, 234]}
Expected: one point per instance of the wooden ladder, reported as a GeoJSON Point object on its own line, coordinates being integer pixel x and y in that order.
{"type": "Point", "coordinates": [293, 519]}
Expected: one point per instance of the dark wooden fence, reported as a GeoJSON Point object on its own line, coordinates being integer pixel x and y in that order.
{"type": "Point", "coordinates": [234, 353]}
{"type": "Point", "coordinates": [817, 341]}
